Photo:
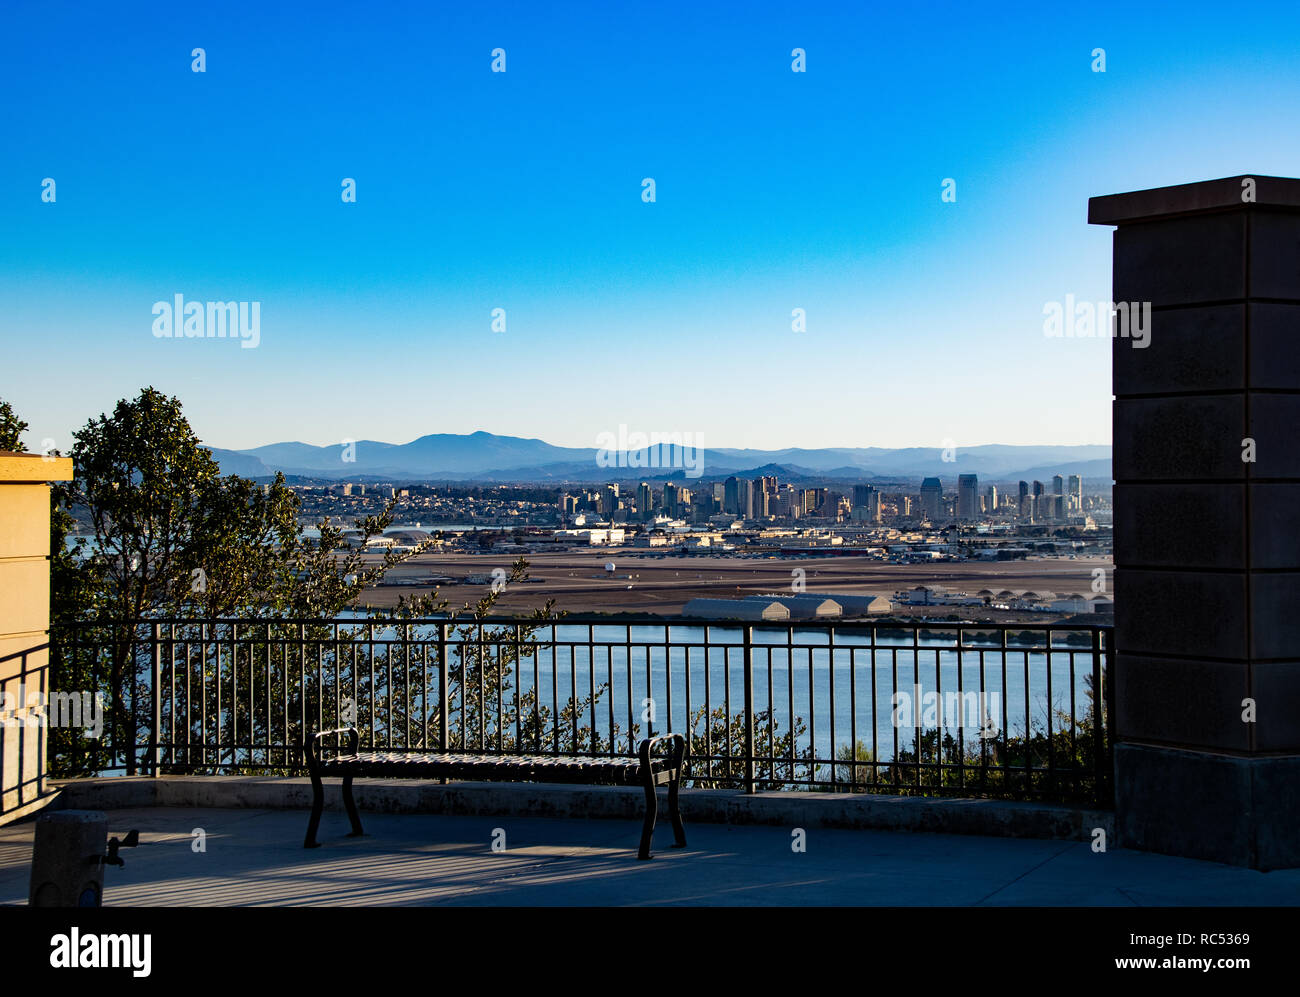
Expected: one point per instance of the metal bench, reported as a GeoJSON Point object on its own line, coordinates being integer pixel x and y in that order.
{"type": "Point", "coordinates": [650, 770]}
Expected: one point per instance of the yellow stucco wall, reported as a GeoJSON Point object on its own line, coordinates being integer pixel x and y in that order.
{"type": "Point", "coordinates": [24, 620]}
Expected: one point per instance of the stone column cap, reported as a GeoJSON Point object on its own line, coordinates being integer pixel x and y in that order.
{"type": "Point", "coordinates": [33, 468]}
{"type": "Point", "coordinates": [1198, 198]}
{"type": "Point", "coordinates": [72, 817]}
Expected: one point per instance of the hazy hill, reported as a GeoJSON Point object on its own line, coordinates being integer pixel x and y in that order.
{"type": "Point", "coordinates": [488, 457]}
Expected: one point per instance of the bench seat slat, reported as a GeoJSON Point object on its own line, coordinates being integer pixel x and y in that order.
{"type": "Point", "coordinates": [493, 768]}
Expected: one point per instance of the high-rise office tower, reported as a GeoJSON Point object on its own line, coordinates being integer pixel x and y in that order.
{"type": "Point", "coordinates": [866, 504]}
{"type": "Point", "coordinates": [745, 499]}
{"type": "Point", "coordinates": [991, 499]}
{"type": "Point", "coordinates": [731, 496]}
{"type": "Point", "coordinates": [760, 497]}
{"type": "Point", "coordinates": [793, 500]}
{"type": "Point", "coordinates": [670, 499]}
{"type": "Point", "coordinates": [813, 498]}
{"type": "Point", "coordinates": [644, 500]}
{"type": "Point", "coordinates": [1025, 510]}
{"type": "Point", "coordinates": [1075, 488]}
{"type": "Point", "coordinates": [932, 499]}
{"type": "Point", "coordinates": [967, 496]}
{"type": "Point", "coordinates": [1038, 511]}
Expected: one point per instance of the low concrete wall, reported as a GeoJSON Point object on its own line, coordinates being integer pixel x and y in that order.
{"type": "Point", "coordinates": [707, 806]}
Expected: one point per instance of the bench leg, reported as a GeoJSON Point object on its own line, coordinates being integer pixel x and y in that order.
{"type": "Point", "coordinates": [674, 814]}
{"type": "Point", "coordinates": [351, 807]}
{"type": "Point", "coordinates": [651, 812]}
{"type": "Point", "coordinates": [317, 804]}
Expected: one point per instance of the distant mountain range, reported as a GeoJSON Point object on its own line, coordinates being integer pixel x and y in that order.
{"type": "Point", "coordinates": [503, 459]}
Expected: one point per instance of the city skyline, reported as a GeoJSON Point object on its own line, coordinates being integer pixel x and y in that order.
{"type": "Point", "coordinates": [777, 191]}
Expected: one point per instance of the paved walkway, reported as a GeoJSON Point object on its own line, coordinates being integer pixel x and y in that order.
{"type": "Point", "coordinates": [255, 857]}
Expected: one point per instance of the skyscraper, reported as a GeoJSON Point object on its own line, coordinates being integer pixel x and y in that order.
{"type": "Point", "coordinates": [812, 500]}
{"type": "Point", "coordinates": [931, 499]}
{"type": "Point", "coordinates": [968, 496]}
{"type": "Point", "coordinates": [1026, 511]}
{"type": "Point", "coordinates": [731, 496]}
{"type": "Point", "coordinates": [866, 499]}
{"type": "Point", "coordinates": [644, 500]}
{"type": "Point", "coordinates": [760, 498]}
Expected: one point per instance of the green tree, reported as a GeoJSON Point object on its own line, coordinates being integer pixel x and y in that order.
{"type": "Point", "coordinates": [11, 429]}
{"type": "Point", "coordinates": [172, 538]}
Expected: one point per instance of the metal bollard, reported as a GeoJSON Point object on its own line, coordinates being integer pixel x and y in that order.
{"type": "Point", "coordinates": [68, 859]}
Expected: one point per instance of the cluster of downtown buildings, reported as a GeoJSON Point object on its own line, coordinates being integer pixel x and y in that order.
{"type": "Point", "coordinates": [765, 499]}
{"type": "Point", "coordinates": [1032, 504]}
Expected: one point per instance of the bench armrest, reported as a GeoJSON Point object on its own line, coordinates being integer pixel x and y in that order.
{"type": "Point", "coordinates": [676, 752]}
{"type": "Point", "coordinates": [317, 746]}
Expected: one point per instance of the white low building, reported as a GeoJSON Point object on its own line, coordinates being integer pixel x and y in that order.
{"type": "Point", "coordinates": [592, 537]}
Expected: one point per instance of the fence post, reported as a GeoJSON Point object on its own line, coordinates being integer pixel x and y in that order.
{"type": "Point", "coordinates": [155, 692]}
{"type": "Point", "coordinates": [749, 709]}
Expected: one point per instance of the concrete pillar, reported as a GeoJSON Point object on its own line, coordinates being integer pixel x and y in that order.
{"type": "Point", "coordinates": [1207, 532]}
{"type": "Point", "coordinates": [24, 625]}
{"type": "Point", "coordinates": [66, 853]}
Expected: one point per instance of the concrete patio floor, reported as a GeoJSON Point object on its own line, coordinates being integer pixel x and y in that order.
{"type": "Point", "coordinates": [255, 857]}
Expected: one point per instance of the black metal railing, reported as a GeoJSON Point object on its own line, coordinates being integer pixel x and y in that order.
{"type": "Point", "coordinates": [24, 698]}
{"type": "Point", "coordinates": [1008, 710]}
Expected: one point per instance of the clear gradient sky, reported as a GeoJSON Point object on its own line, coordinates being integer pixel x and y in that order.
{"type": "Point", "coordinates": [775, 190]}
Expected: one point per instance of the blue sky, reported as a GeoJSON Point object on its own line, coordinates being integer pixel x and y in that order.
{"type": "Point", "coordinates": [522, 190]}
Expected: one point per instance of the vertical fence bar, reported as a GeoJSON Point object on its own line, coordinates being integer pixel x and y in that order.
{"type": "Point", "coordinates": [266, 755]}
{"type": "Point", "coordinates": [155, 691]}
{"type": "Point", "coordinates": [875, 747]}
{"type": "Point", "coordinates": [708, 701]}
{"type": "Point", "coordinates": [518, 683]}
{"type": "Point", "coordinates": [1098, 734]}
{"type": "Point", "coordinates": [627, 663]}
{"type": "Point", "coordinates": [853, 718]}
{"type": "Point", "coordinates": [830, 674]}
{"type": "Point", "coordinates": [748, 674]}
{"type": "Point", "coordinates": [171, 740]}
{"type": "Point", "coordinates": [442, 687]}
{"type": "Point", "coordinates": [961, 714]}
{"type": "Point", "coordinates": [1051, 751]}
